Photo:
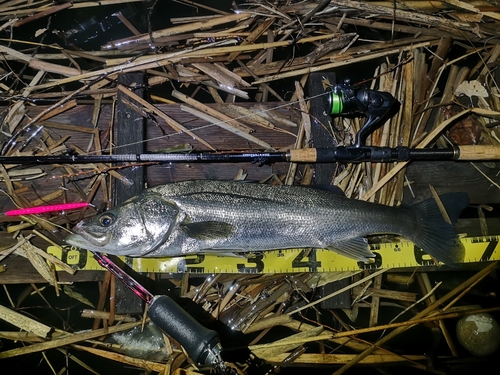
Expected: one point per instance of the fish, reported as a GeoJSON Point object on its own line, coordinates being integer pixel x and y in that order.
{"type": "Point", "coordinates": [222, 217]}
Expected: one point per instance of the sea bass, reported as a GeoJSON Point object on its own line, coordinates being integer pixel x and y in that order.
{"type": "Point", "coordinates": [234, 217]}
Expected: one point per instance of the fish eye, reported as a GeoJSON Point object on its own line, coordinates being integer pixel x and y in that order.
{"type": "Point", "coordinates": [106, 220]}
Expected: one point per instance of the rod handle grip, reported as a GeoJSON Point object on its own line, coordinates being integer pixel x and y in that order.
{"type": "Point", "coordinates": [478, 152]}
{"type": "Point", "coordinates": [303, 155]}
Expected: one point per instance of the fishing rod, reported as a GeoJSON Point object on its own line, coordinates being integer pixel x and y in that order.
{"type": "Point", "coordinates": [342, 99]}
{"type": "Point", "coordinates": [349, 154]}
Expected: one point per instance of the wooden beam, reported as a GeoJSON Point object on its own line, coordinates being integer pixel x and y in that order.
{"type": "Point", "coordinates": [129, 133]}
{"type": "Point", "coordinates": [18, 270]}
{"type": "Point", "coordinates": [449, 176]}
{"type": "Point", "coordinates": [320, 123]}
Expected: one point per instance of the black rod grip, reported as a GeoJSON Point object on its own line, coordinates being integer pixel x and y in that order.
{"type": "Point", "coordinates": [202, 344]}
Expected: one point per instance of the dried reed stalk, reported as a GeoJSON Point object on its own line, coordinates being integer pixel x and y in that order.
{"type": "Point", "coordinates": [480, 275]}
{"type": "Point", "coordinates": [70, 339]}
{"type": "Point", "coordinates": [170, 121]}
{"type": "Point", "coordinates": [23, 322]}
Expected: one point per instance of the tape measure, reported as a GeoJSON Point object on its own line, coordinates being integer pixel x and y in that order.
{"type": "Point", "coordinates": [387, 255]}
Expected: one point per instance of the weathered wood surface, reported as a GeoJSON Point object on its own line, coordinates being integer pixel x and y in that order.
{"type": "Point", "coordinates": [18, 270]}
{"type": "Point", "coordinates": [449, 176]}
{"type": "Point", "coordinates": [129, 132]}
{"type": "Point", "coordinates": [321, 124]}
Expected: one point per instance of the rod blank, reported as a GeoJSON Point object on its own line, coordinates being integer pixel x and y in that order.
{"type": "Point", "coordinates": [308, 155]}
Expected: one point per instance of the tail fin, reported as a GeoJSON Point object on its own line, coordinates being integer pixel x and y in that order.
{"type": "Point", "coordinates": [435, 236]}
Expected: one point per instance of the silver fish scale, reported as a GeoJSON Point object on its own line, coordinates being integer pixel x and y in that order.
{"type": "Point", "coordinates": [271, 217]}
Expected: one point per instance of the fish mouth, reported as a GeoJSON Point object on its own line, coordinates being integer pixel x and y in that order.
{"type": "Point", "coordinates": [94, 238]}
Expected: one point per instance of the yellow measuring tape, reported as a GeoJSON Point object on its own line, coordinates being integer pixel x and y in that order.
{"type": "Point", "coordinates": [388, 255]}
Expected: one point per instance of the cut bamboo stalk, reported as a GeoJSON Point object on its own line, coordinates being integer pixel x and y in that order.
{"type": "Point", "coordinates": [231, 90]}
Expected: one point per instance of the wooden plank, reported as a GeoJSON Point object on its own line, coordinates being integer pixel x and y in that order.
{"type": "Point", "coordinates": [129, 133]}
{"type": "Point", "coordinates": [449, 176]}
{"type": "Point", "coordinates": [320, 123]}
{"type": "Point", "coordinates": [339, 301]}
{"type": "Point", "coordinates": [18, 270]}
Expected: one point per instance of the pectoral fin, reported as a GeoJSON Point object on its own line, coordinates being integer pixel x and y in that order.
{"type": "Point", "coordinates": [355, 248]}
{"type": "Point", "coordinates": [208, 230]}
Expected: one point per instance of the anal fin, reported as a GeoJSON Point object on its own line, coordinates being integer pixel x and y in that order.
{"type": "Point", "coordinates": [355, 248]}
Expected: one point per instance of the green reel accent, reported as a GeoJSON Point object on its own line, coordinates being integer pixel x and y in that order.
{"type": "Point", "coordinates": [336, 102]}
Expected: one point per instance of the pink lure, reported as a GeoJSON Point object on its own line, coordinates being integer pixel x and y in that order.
{"type": "Point", "coordinates": [44, 209]}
